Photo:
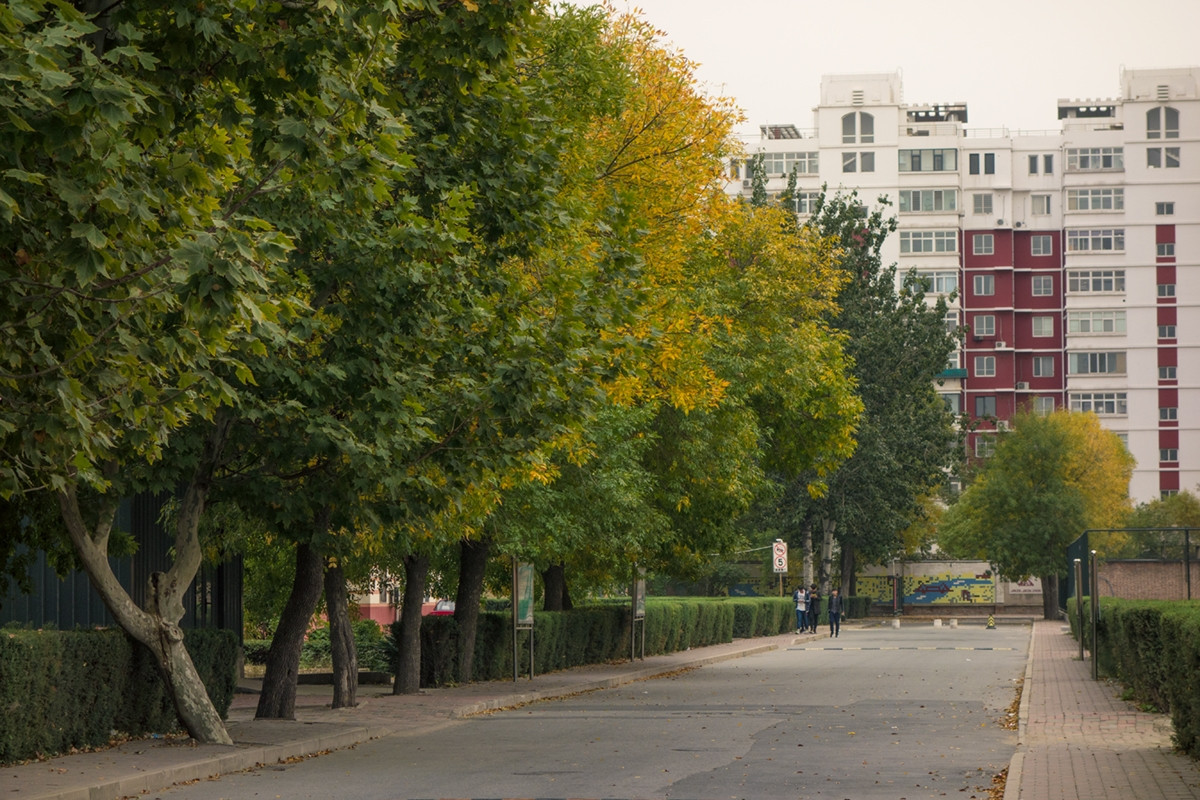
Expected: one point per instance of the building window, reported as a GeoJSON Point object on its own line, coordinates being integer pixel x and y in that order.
{"type": "Point", "coordinates": [1048, 164]}
{"type": "Point", "coordinates": [1095, 281]}
{"type": "Point", "coordinates": [988, 161]}
{"type": "Point", "coordinates": [950, 321]}
{"type": "Point", "coordinates": [938, 281]}
{"type": "Point", "coordinates": [1166, 249]}
{"type": "Point", "coordinates": [985, 446]}
{"type": "Point", "coordinates": [934, 160]}
{"type": "Point", "coordinates": [858, 127]}
{"type": "Point", "coordinates": [1167, 374]}
{"type": "Point", "coordinates": [984, 285]}
{"type": "Point", "coordinates": [1041, 245]}
{"type": "Point", "coordinates": [1096, 240]}
{"type": "Point", "coordinates": [985, 366]}
{"type": "Point", "coordinates": [1043, 285]}
{"type": "Point", "coordinates": [782, 164]}
{"type": "Point", "coordinates": [858, 162]}
{"type": "Point", "coordinates": [983, 244]}
{"type": "Point", "coordinates": [1096, 363]}
{"type": "Point", "coordinates": [928, 200]}
{"type": "Point", "coordinates": [1168, 414]}
{"type": "Point", "coordinates": [982, 203]}
{"type": "Point", "coordinates": [1096, 322]}
{"type": "Point", "coordinates": [953, 403]}
{"type": "Point", "coordinates": [1162, 123]}
{"type": "Point", "coordinates": [1043, 366]}
{"type": "Point", "coordinates": [1166, 331]}
{"type": "Point", "coordinates": [1104, 404]}
{"type": "Point", "coordinates": [1043, 405]}
{"type": "Point", "coordinates": [1166, 290]}
{"type": "Point", "coordinates": [1095, 199]}
{"type": "Point", "coordinates": [984, 325]}
{"type": "Point", "coordinates": [1033, 165]}
{"type": "Point", "coordinates": [1043, 326]}
{"type": "Point", "coordinates": [1165, 493]}
{"type": "Point", "coordinates": [1041, 204]}
{"type": "Point", "coordinates": [1095, 159]}
{"type": "Point", "coordinates": [952, 361]}
{"type": "Point", "coordinates": [928, 241]}
{"type": "Point", "coordinates": [985, 406]}
{"type": "Point", "coordinates": [1162, 157]}
{"type": "Point", "coordinates": [1168, 454]}
{"type": "Point", "coordinates": [1164, 209]}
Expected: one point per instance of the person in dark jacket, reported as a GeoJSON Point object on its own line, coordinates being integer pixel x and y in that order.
{"type": "Point", "coordinates": [835, 613]}
{"type": "Point", "coordinates": [814, 608]}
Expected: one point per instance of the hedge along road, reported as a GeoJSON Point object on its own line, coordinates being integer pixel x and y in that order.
{"type": "Point", "coordinates": [878, 712]}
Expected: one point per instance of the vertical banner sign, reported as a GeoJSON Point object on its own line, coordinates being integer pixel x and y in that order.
{"type": "Point", "coordinates": [639, 612]}
{"type": "Point", "coordinates": [779, 553]}
{"type": "Point", "coordinates": [522, 606]}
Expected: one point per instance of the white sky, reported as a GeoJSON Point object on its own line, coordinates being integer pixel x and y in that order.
{"type": "Point", "coordinates": [1010, 61]}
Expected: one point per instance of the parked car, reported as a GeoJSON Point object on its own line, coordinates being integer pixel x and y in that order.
{"type": "Point", "coordinates": [442, 608]}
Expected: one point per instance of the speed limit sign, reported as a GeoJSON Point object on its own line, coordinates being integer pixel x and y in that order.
{"type": "Point", "coordinates": [779, 554]}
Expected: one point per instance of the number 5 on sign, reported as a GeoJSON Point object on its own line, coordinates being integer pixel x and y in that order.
{"type": "Point", "coordinates": [779, 550]}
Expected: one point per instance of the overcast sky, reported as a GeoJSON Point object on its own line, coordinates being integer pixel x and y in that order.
{"type": "Point", "coordinates": [1010, 61]}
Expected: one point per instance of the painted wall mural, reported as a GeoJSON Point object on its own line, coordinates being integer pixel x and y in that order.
{"type": "Point", "coordinates": [943, 588]}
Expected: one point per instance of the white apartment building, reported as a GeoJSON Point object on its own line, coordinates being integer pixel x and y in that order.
{"type": "Point", "coordinates": [1074, 253]}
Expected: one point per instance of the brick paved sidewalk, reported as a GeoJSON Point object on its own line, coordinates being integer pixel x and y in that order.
{"type": "Point", "coordinates": [1079, 741]}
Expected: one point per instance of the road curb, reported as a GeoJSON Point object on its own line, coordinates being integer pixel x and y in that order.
{"type": "Point", "coordinates": [1012, 783]}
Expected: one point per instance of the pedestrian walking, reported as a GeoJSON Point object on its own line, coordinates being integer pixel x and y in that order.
{"type": "Point", "coordinates": [835, 613]}
{"type": "Point", "coordinates": [814, 607]}
{"type": "Point", "coordinates": [801, 598]}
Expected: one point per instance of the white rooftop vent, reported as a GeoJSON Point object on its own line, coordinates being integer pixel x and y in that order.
{"type": "Point", "coordinates": [1164, 93]}
{"type": "Point", "coordinates": [857, 97]}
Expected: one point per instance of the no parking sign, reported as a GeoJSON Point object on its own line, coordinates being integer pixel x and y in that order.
{"type": "Point", "coordinates": [779, 554]}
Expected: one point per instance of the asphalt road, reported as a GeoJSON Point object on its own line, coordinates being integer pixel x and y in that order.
{"type": "Point", "coordinates": [877, 713]}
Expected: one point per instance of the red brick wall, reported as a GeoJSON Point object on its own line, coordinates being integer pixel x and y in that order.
{"type": "Point", "coordinates": [1146, 580]}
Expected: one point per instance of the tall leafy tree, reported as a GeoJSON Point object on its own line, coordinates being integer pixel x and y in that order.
{"type": "Point", "coordinates": [141, 275]}
{"type": "Point", "coordinates": [905, 440]}
{"type": "Point", "coordinates": [1051, 478]}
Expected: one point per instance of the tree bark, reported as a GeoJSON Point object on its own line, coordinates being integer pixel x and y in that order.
{"type": "Point", "coordinates": [472, 565]}
{"type": "Point", "coordinates": [341, 638]}
{"type": "Point", "coordinates": [157, 626]}
{"type": "Point", "coordinates": [278, 698]}
{"type": "Point", "coordinates": [408, 670]}
{"type": "Point", "coordinates": [1050, 597]}
{"type": "Point", "coordinates": [808, 554]}
{"type": "Point", "coordinates": [554, 586]}
{"type": "Point", "coordinates": [827, 555]}
{"type": "Point", "coordinates": [849, 567]}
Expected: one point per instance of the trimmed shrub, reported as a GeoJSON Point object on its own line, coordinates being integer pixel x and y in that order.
{"type": "Point", "coordinates": [64, 690]}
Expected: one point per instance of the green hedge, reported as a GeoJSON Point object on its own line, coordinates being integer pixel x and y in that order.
{"type": "Point", "coordinates": [595, 634]}
{"type": "Point", "coordinates": [1153, 647]}
{"type": "Point", "coordinates": [71, 689]}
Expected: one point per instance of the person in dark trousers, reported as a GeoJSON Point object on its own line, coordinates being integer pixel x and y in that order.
{"type": "Point", "coordinates": [801, 599]}
{"type": "Point", "coordinates": [835, 613]}
{"type": "Point", "coordinates": [814, 608]}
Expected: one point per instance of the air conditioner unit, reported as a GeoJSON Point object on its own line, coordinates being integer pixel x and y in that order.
{"type": "Point", "coordinates": [1000, 344]}
{"type": "Point", "coordinates": [1022, 386]}
{"type": "Point", "coordinates": [999, 222]}
{"type": "Point", "coordinates": [1018, 224]}
{"type": "Point", "coordinates": [747, 183]}
{"type": "Point", "coordinates": [1002, 425]}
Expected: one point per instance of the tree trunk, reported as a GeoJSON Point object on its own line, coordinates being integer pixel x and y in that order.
{"type": "Point", "coordinates": [827, 555]}
{"type": "Point", "coordinates": [472, 564]}
{"type": "Point", "coordinates": [408, 670]}
{"type": "Point", "coordinates": [157, 626]}
{"type": "Point", "coordinates": [1050, 597]}
{"type": "Point", "coordinates": [278, 698]}
{"type": "Point", "coordinates": [808, 554]}
{"type": "Point", "coordinates": [341, 639]}
{"type": "Point", "coordinates": [554, 585]}
{"type": "Point", "coordinates": [849, 567]}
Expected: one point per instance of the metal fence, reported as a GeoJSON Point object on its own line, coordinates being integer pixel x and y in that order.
{"type": "Point", "coordinates": [1136, 563]}
{"type": "Point", "coordinates": [214, 600]}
